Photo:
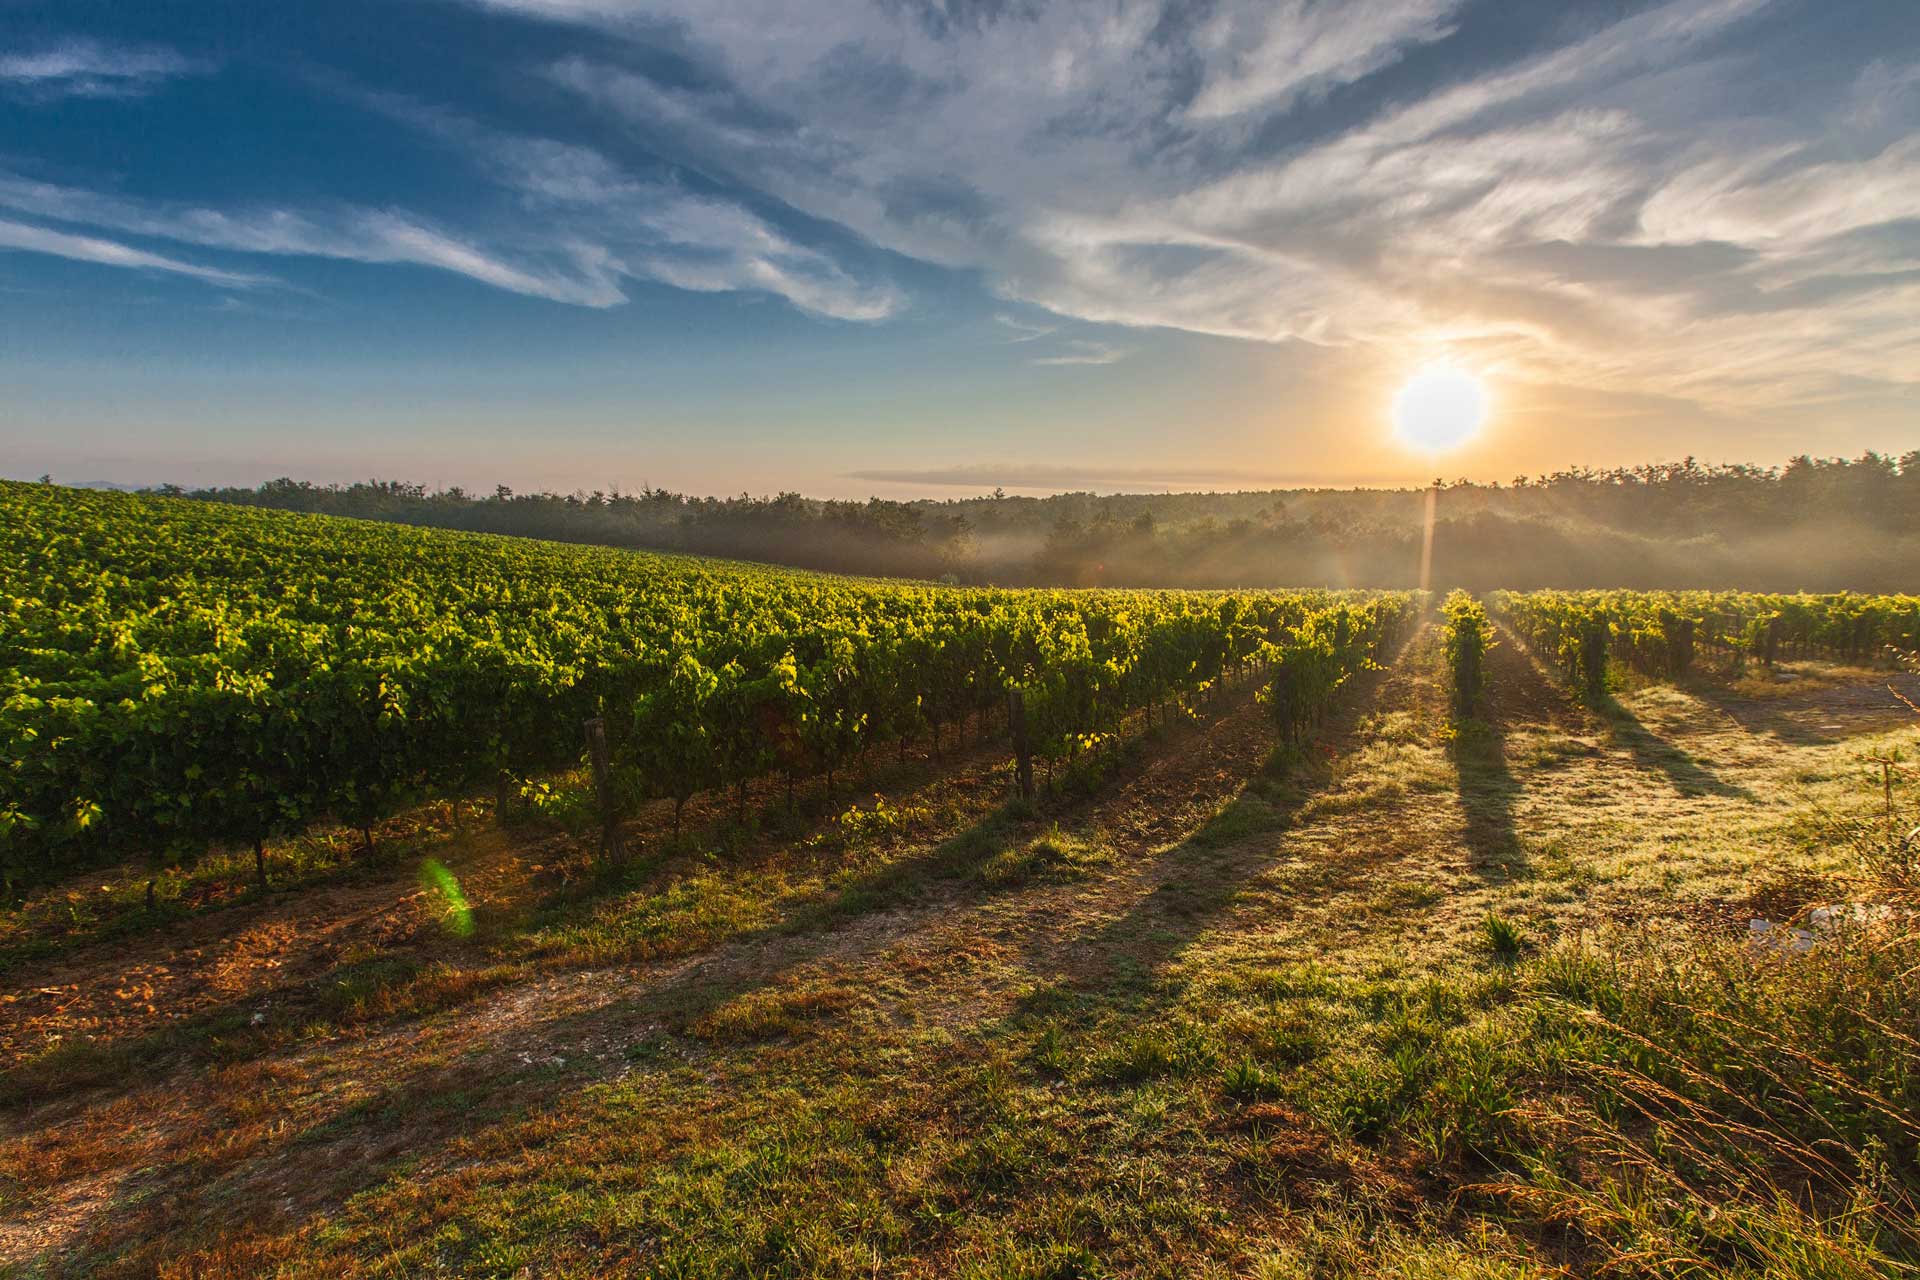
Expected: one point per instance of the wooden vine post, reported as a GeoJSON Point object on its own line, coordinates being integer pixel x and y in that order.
{"type": "Point", "coordinates": [612, 845]}
{"type": "Point", "coordinates": [1022, 750]}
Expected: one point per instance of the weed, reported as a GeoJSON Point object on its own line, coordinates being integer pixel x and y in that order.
{"type": "Point", "coordinates": [1179, 1051]}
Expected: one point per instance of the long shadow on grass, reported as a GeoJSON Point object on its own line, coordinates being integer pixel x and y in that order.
{"type": "Point", "coordinates": [228, 1032]}
{"type": "Point", "coordinates": [420, 1112]}
{"type": "Point", "coordinates": [1654, 753]}
{"type": "Point", "coordinates": [1649, 750]}
{"type": "Point", "coordinates": [1201, 877]}
{"type": "Point", "coordinates": [1520, 695]}
{"type": "Point", "coordinates": [344, 1138]}
{"type": "Point", "coordinates": [1488, 793]}
{"type": "Point", "coordinates": [1820, 716]}
{"type": "Point", "coordinates": [669, 1023]}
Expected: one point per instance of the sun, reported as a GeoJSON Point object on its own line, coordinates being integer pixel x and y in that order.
{"type": "Point", "coordinates": [1440, 408]}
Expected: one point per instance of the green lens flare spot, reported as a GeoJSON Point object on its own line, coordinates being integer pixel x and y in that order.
{"type": "Point", "coordinates": [436, 879]}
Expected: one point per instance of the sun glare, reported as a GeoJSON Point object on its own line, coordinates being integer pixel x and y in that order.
{"type": "Point", "coordinates": [1440, 408]}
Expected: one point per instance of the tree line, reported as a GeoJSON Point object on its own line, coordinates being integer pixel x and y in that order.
{"type": "Point", "coordinates": [1812, 524]}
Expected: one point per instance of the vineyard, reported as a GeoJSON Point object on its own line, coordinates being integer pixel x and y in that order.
{"type": "Point", "coordinates": [843, 927]}
{"type": "Point", "coordinates": [180, 676]}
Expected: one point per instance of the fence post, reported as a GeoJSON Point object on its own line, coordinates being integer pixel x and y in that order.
{"type": "Point", "coordinates": [612, 845]}
{"type": "Point", "coordinates": [1022, 753]}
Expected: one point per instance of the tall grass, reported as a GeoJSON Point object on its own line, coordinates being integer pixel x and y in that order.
{"type": "Point", "coordinates": [1708, 1110]}
{"type": "Point", "coordinates": [1730, 1109]}
{"type": "Point", "coordinates": [1503, 937]}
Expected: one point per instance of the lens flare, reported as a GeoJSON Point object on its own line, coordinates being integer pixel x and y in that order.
{"type": "Point", "coordinates": [457, 917]}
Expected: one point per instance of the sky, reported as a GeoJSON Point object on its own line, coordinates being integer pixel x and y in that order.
{"type": "Point", "coordinates": [931, 247]}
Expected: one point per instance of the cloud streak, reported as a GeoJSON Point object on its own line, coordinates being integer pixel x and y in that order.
{"type": "Point", "coordinates": [651, 230]}
{"type": "Point", "coordinates": [578, 229]}
{"type": "Point", "coordinates": [1266, 57]}
{"type": "Point", "coordinates": [1082, 351]}
{"type": "Point", "coordinates": [90, 69]}
{"type": "Point", "coordinates": [349, 234]}
{"type": "Point", "coordinates": [1024, 331]}
{"type": "Point", "coordinates": [1618, 199]}
{"type": "Point", "coordinates": [657, 234]}
{"type": "Point", "coordinates": [31, 239]}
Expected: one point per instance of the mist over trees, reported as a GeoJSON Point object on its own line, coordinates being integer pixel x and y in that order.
{"type": "Point", "coordinates": [893, 539]}
{"type": "Point", "coordinates": [1818, 524]}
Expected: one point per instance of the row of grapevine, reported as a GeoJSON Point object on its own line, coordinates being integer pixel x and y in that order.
{"type": "Point", "coordinates": [1468, 637]}
{"type": "Point", "coordinates": [1565, 627]}
{"type": "Point", "coordinates": [1323, 652]}
{"type": "Point", "coordinates": [179, 676]}
{"type": "Point", "coordinates": [1662, 633]}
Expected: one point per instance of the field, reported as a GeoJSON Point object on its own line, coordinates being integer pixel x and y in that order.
{"type": "Point", "coordinates": [1301, 960]}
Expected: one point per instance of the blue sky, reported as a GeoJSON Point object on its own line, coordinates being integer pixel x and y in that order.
{"type": "Point", "coordinates": [912, 248]}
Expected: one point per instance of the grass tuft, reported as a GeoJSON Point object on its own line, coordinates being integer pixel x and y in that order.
{"type": "Point", "coordinates": [1505, 939]}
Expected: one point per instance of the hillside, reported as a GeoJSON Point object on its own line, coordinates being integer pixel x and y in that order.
{"type": "Point", "coordinates": [1409, 998]}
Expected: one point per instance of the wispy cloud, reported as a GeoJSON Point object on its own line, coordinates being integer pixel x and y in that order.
{"type": "Point", "coordinates": [1071, 350]}
{"type": "Point", "coordinates": [579, 275]}
{"type": "Point", "coordinates": [577, 229]}
{"type": "Point", "coordinates": [1268, 56]}
{"type": "Point", "coordinates": [1083, 351]}
{"type": "Point", "coordinates": [1023, 330]}
{"type": "Point", "coordinates": [682, 241]}
{"type": "Point", "coordinates": [32, 239]}
{"type": "Point", "coordinates": [651, 229]}
{"type": "Point", "coordinates": [81, 68]}
{"type": "Point", "coordinates": [389, 237]}
{"type": "Point", "coordinates": [1615, 198]}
